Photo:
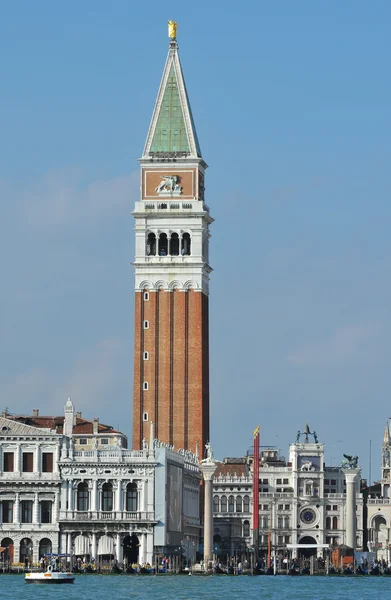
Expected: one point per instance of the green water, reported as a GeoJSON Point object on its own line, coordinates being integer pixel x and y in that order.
{"type": "Point", "coordinates": [94, 587]}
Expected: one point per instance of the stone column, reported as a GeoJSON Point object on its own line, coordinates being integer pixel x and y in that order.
{"type": "Point", "coordinates": [94, 494]}
{"type": "Point", "coordinates": [118, 546]}
{"type": "Point", "coordinates": [141, 556]}
{"type": "Point", "coordinates": [17, 459]}
{"type": "Point", "coordinates": [93, 546]}
{"type": "Point", "coordinates": [69, 543]}
{"type": "Point", "coordinates": [208, 468]}
{"type": "Point", "coordinates": [350, 508]}
{"type": "Point", "coordinates": [118, 493]}
{"type": "Point", "coordinates": [36, 508]}
{"type": "Point", "coordinates": [150, 548]}
{"type": "Point", "coordinates": [17, 509]}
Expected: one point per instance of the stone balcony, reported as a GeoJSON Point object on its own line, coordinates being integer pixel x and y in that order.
{"type": "Point", "coordinates": [379, 501]}
{"type": "Point", "coordinates": [109, 456]}
{"type": "Point", "coordinates": [97, 515]}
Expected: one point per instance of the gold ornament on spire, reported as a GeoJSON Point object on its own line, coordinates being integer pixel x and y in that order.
{"type": "Point", "coordinates": [172, 27]}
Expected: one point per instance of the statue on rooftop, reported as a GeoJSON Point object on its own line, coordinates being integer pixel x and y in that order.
{"type": "Point", "coordinates": [350, 462]}
{"type": "Point", "coordinates": [209, 453]}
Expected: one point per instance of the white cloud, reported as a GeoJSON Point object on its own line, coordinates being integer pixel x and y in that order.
{"type": "Point", "coordinates": [344, 345]}
{"type": "Point", "coordinates": [62, 198]}
{"type": "Point", "coordinates": [90, 381]}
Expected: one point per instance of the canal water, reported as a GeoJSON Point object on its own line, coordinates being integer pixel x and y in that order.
{"type": "Point", "coordinates": [184, 587]}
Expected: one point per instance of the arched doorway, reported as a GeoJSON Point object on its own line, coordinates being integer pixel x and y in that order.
{"type": "Point", "coordinates": [131, 548]}
{"type": "Point", "coordinates": [307, 552]}
{"type": "Point", "coordinates": [26, 551]}
{"type": "Point", "coordinates": [8, 554]}
{"type": "Point", "coordinates": [45, 547]}
{"type": "Point", "coordinates": [379, 525]}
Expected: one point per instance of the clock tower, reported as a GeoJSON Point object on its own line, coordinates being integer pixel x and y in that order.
{"type": "Point", "coordinates": [171, 346]}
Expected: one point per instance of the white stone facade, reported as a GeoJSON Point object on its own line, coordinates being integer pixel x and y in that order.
{"type": "Point", "coordinates": [93, 498]}
{"type": "Point", "coordinates": [29, 491]}
{"type": "Point", "coordinates": [300, 502]}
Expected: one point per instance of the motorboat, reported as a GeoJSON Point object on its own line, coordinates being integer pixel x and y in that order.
{"type": "Point", "coordinates": [52, 574]}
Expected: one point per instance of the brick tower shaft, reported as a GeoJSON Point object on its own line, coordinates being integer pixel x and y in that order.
{"type": "Point", "coordinates": [171, 351]}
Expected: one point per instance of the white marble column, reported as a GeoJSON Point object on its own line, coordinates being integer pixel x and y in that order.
{"type": "Point", "coordinates": [208, 468]}
{"type": "Point", "coordinates": [141, 556]}
{"type": "Point", "coordinates": [16, 518]}
{"type": "Point", "coordinates": [70, 494]}
{"type": "Point", "coordinates": [149, 556]}
{"type": "Point", "coordinates": [118, 548]}
{"type": "Point", "coordinates": [37, 459]}
{"type": "Point", "coordinates": [350, 509]}
{"type": "Point", "coordinates": [93, 546]}
{"type": "Point", "coordinates": [36, 508]}
{"type": "Point", "coordinates": [94, 494]}
{"type": "Point", "coordinates": [69, 543]}
{"type": "Point", "coordinates": [118, 494]}
{"type": "Point", "coordinates": [17, 459]}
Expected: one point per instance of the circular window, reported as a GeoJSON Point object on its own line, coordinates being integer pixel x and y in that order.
{"type": "Point", "coordinates": [308, 516]}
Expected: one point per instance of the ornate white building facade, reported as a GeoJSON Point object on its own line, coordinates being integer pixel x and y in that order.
{"type": "Point", "coordinates": [301, 501]}
{"type": "Point", "coordinates": [379, 505]}
{"type": "Point", "coordinates": [75, 488]}
{"type": "Point", "coordinates": [29, 490]}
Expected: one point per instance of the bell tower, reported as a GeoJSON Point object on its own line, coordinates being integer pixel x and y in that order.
{"type": "Point", "coordinates": [171, 346]}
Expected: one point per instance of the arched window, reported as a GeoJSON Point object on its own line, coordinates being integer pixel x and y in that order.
{"type": "Point", "coordinates": [246, 529]}
{"type": "Point", "coordinates": [264, 522]}
{"type": "Point", "coordinates": [82, 496]}
{"type": "Point", "coordinates": [280, 523]}
{"type": "Point", "coordinates": [151, 244]}
{"type": "Point", "coordinates": [131, 497]}
{"type": "Point", "coordinates": [286, 522]}
{"type": "Point", "coordinates": [328, 522]}
{"type": "Point", "coordinates": [163, 244]}
{"type": "Point", "coordinates": [239, 503]}
{"type": "Point", "coordinates": [216, 504]}
{"type": "Point", "coordinates": [107, 497]}
{"type": "Point", "coordinates": [231, 504]}
{"type": "Point", "coordinates": [223, 503]}
{"type": "Point", "coordinates": [174, 244]}
{"type": "Point", "coordinates": [45, 547]}
{"type": "Point", "coordinates": [335, 522]}
{"type": "Point", "coordinates": [186, 244]}
{"type": "Point", "coordinates": [246, 504]}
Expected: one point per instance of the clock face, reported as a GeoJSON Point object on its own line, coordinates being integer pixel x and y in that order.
{"type": "Point", "coordinates": [308, 516]}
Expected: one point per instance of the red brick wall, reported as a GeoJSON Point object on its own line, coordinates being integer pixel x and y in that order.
{"type": "Point", "coordinates": [177, 371]}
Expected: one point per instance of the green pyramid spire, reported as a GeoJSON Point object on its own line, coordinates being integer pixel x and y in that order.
{"type": "Point", "coordinates": [172, 128]}
{"type": "Point", "coordinates": [170, 132]}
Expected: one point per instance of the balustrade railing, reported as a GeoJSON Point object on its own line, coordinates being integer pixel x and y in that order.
{"type": "Point", "coordinates": [98, 515]}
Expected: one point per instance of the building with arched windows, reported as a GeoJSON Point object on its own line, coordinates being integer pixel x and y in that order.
{"type": "Point", "coordinates": [301, 501]}
{"type": "Point", "coordinates": [379, 505]}
{"type": "Point", "coordinates": [71, 485]}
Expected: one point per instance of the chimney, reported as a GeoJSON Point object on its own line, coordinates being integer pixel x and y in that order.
{"type": "Point", "coordinates": [95, 426]}
{"type": "Point", "coordinates": [35, 412]}
{"type": "Point", "coordinates": [78, 415]}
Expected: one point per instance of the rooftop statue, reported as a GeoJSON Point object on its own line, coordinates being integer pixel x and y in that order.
{"type": "Point", "coordinates": [307, 432]}
{"type": "Point", "coordinates": [350, 462]}
{"type": "Point", "coordinates": [172, 27]}
{"type": "Point", "coordinates": [209, 454]}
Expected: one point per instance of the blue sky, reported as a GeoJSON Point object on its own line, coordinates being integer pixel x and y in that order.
{"type": "Point", "coordinates": [291, 103]}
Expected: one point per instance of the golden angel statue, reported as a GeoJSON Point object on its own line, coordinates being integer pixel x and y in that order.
{"type": "Point", "coordinates": [172, 27]}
